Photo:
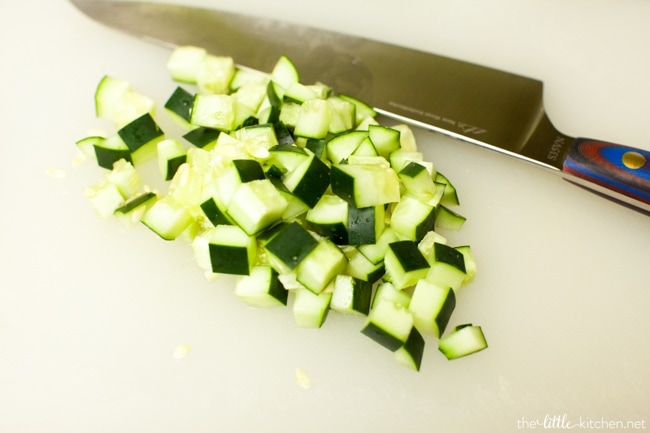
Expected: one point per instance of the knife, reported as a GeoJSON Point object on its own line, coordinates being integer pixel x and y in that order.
{"type": "Point", "coordinates": [488, 107]}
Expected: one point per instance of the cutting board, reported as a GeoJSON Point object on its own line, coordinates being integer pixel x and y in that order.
{"type": "Point", "coordinates": [105, 328]}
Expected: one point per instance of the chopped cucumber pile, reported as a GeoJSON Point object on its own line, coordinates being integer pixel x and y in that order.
{"type": "Point", "coordinates": [297, 191]}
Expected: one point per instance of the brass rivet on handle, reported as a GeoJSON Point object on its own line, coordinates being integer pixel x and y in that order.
{"type": "Point", "coordinates": [633, 160]}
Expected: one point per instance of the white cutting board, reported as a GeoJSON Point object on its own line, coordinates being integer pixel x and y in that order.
{"type": "Point", "coordinates": [92, 314]}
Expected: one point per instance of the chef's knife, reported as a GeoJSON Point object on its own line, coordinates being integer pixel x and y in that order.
{"type": "Point", "coordinates": [484, 106]}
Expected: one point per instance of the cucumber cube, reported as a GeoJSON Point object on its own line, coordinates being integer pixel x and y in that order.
{"type": "Point", "coordinates": [413, 219]}
{"type": "Point", "coordinates": [132, 211]}
{"type": "Point", "coordinates": [214, 214]}
{"type": "Point", "coordinates": [314, 119]}
{"type": "Point", "coordinates": [167, 218]}
{"type": "Point", "coordinates": [309, 308]}
{"type": "Point", "coordinates": [329, 217]}
{"type": "Point", "coordinates": [365, 224]}
{"type": "Point", "coordinates": [309, 180]}
{"type": "Point", "coordinates": [410, 354]}
{"type": "Point", "coordinates": [287, 248]}
{"type": "Point", "coordinates": [361, 268]}
{"type": "Point", "coordinates": [385, 139]}
{"type": "Point", "coordinates": [179, 104]}
{"type": "Point", "coordinates": [214, 111]}
{"type": "Point", "coordinates": [405, 264]}
{"type": "Point", "coordinates": [321, 266]}
{"type": "Point", "coordinates": [351, 295]}
{"type": "Point", "coordinates": [417, 180]}
{"type": "Point", "coordinates": [141, 137]}
{"type": "Point", "coordinates": [447, 266]}
{"type": "Point", "coordinates": [365, 185]}
{"type": "Point", "coordinates": [171, 155]}
{"type": "Point", "coordinates": [110, 150]}
{"type": "Point", "coordinates": [261, 288]}
{"type": "Point", "coordinates": [202, 137]}
{"type": "Point", "coordinates": [448, 219]}
{"type": "Point", "coordinates": [256, 205]}
{"type": "Point", "coordinates": [389, 324]}
{"type": "Point", "coordinates": [463, 341]}
{"type": "Point", "coordinates": [231, 250]}
{"type": "Point", "coordinates": [432, 306]}
{"type": "Point", "coordinates": [388, 291]}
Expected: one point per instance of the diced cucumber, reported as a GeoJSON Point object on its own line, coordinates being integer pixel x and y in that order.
{"type": "Point", "coordinates": [432, 305]}
{"type": "Point", "coordinates": [256, 205]}
{"type": "Point", "coordinates": [389, 324]}
{"type": "Point", "coordinates": [376, 252]}
{"type": "Point", "coordinates": [179, 105]}
{"type": "Point", "coordinates": [365, 185]}
{"type": "Point", "coordinates": [110, 150]}
{"type": "Point", "coordinates": [171, 155]}
{"type": "Point", "coordinates": [463, 341]}
{"type": "Point", "coordinates": [125, 177]}
{"type": "Point", "coordinates": [214, 74]}
{"type": "Point", "coordinates": [388, 291]}
{"type": "Point", "coordinates": [141, 137]}
{"type": "Point", "coordinates": [321, 266]}
{"type": "Point", "coordinates": [214, 213]}
{"type": "Point", "coordinates": [313, 119]}
{"type": "Point", "coordinates": [471, 267]}
{"type": "Point", "coordinates": [167, 218]}
{"type": "Point", "coordinates": [361, 268]}
{"type": "Point", "coordinates": [309, 308]}
{"type": "Point", "coordinates": [412, 219]}
{"type": "Point", "coordinates": [351, 295]}
{"type": "Point", "coordinates": [411, 352]}
{"type": "Point", "coordinates": [343, 115]}
{"type": "Point", "coordinates": [184, 63]}
{"type": "Point", "coordinates": [448, 219]}
{"type": "Point", "coordinates": [215, 111]}
{"type": "Point", "coordinates": [116, 101]}
{"type": "Point", "coordinates": [289, 246]}
{"type": "Point", "coordinates": [417, 180]}
{"type": "Point", "coordinates": [86, 145]}
{"type": "Point", "coordinates": [261, 288]}
{"type": "Point", "coordinates": [447, 266]}
{"type": "Point", "coordinates": [132, 211]}
{"type": "Point", "coordinates": [329, 217]}
{"type": "Point", "coordinates": [202, 137]}
{"type": "Point", "coordinates": [231, 250]}
{"type": "Point", "coordinates": [405, 264]}
{"type": "Point", "coordinates": [285, 72]}
{"type": "Point", "coordinates": [340, 147]}
{"type": "Point", "coordinates": [365, 225]}
{"type": "Point", "coordinates": [288, 157]}
{"type": "Point", "coordinates": [406, 137]}
{"type": "Point", "coordinates": [386, 140]}
{"type": "Point", "coordinates": [105, 198]}
{"type": "Point", "coordinates": [237, 172]}
{"type": "Point", "coordinates": [363, 111]}
{"type": "Point", "coordinates": [309, 180]}
{"type": "Point", "coordinates": [451, 195]}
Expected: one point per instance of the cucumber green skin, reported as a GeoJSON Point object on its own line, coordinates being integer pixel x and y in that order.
{"type": "Point", "coordinates": [214, 214]}
{"type": "Point", "coordinates": [314, 183]}
{"type": "Point", "coordinates": [202, 137]}
{"type": "Point", "coordinates": [139, 132]}
{"type": "Point", "coordinates": [226, 259]}
{"type": "Point", "coordinates": [136, 202]}
{"type": "Point", "coordinates": [248, 169]}
{"type": "Point", "coordinates": [283, 134]}
{"type": "Point", "coordinates": [442, 320]}
{"type": "Point", "coordinates": [342, 184]}
{"type": "Point", "coordinates": [180, 103]}
{"type": "Point", "coordinates": [414, 346]}
{"type": "Point", "coordinates": [336, 232]}
{"type": "Point", "coordinates": [382, 337]}
{"type": "Point", "coordinates": [173, 164]}
{"type": "Point", "coordinates": [409, 256]}
{"type": "Point", "coordinates": [107, 157]}
{"type": "Point", "coordinates": [362, 296]}
{"type": "Point", "coordinates": [361, 225]}
{"type": "Point", "coordinates": [446, 254]}
{"type": "Point", "coordinates": [277, 290]}
{"type": "Point", "coordinates": [317, 146]}
{"type": "Point", "coordinates": [291, 244]}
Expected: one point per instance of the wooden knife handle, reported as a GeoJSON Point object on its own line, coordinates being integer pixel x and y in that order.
{"type": "Point", "coordinates": [619, 168]}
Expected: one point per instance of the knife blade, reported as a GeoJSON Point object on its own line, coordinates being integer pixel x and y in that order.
{"type": "Point", "coordinates": [494, 109]}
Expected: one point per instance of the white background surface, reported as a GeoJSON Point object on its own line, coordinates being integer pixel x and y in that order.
{"type": "Point", "coordinates": [91, 312]}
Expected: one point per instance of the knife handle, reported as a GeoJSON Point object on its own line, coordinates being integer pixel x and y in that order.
{"type": "Point", "coordinates": [623, 169]}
